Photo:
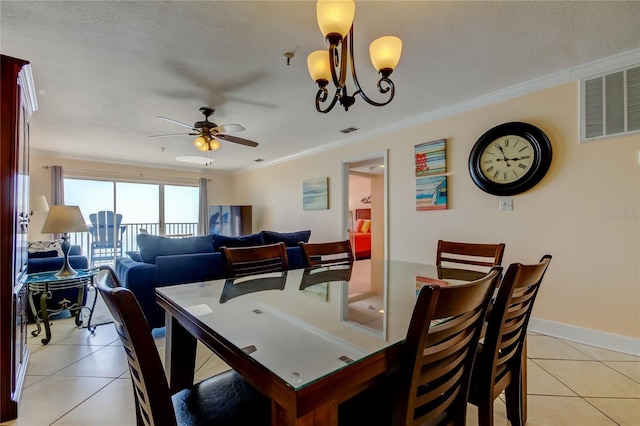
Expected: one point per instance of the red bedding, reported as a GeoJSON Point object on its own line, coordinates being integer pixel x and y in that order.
{"type": "Point", "coordinates": [361, 244]}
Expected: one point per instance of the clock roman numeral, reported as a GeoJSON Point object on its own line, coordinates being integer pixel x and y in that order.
{"type": "Point", "coordinates": [522, 149]}
{"type": "Point", "coordinates": [522, 166]}
{"type": "Point", "coordinates": [495, 175]}
{"type": "Point", "coordinates": [490, 169]}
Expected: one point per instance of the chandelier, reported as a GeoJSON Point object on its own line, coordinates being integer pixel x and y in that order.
{"type": "Point", "coordinates": [335, 19]}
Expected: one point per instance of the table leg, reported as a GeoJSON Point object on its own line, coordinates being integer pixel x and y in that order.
{"type": "Point", "coordinates": [180, 355]}
{"type": "Point", "coordinates": [326, 414]}
{"type": "Point", "coordinates": [93, 308]}
{"type": "Point", "coordinates": [34, 311]}
{"type": "Point", "coordinates": [78, 310]}
{"type": "Point", "coordinates": [46, 295]}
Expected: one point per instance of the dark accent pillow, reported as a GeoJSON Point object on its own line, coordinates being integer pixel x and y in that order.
{"type": "Point", "coordinates": [152, 246]}
{"type": "Point", "coordinates": [43, 254]}
{"type": "Point", "coordinates": [241, 241]}
{"type": "Point", "coordinates": [134, 255]}
{"type": "Point", "coordinates": [290, 239]}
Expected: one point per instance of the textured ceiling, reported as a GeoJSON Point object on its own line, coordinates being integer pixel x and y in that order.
{"type": "Point", "coordinates": [105, 70]}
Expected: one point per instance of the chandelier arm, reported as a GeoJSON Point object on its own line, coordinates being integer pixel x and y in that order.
{"type": "Point", "coordinates": [390, 87]}
{"type": "Point", "coordinates": [321, 96]}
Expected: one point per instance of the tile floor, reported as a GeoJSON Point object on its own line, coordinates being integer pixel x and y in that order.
{"type": "Point", "coordinates": [82, 379]}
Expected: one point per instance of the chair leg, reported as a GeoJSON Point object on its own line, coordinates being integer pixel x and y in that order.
{"type": "Point", "coordinates": [485, 410]}
{"type": "Point", "coordinates": [513, 396]}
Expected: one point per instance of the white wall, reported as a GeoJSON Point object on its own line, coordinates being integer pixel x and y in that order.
{"type": "Point", "coordinates": [574, 213]}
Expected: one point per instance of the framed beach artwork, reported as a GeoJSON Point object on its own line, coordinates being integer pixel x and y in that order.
{"type": "Point", "coordinates": [430, 158]}
{"type": "Point", "coordinates": [315, 194]}
{"type": "Point", "coordinates": [431, 193]}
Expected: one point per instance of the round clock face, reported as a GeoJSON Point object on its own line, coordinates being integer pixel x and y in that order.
{"type": "Point", "coordinates": [506, 159]}
{"type": "Point", "coordinates": [510, 158]}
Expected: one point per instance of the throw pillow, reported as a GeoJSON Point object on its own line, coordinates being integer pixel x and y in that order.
{"type": "Point", "coordinates": [152, 246]}
{"type": "Point", "coordinates": [45, 246]}
{"type": "Point", "coordinates": [290, 239]}
{"type": "Point", "coordinates": [240, 241]}
{"type": "Point", "coordinates": [366, 226]}
{"type": "Point", "coordinates": [359, 225]}
{"type": "Point", "coordinates": [134, 255]}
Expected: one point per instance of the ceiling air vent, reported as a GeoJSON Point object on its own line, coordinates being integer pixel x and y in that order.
{"type": "Point", "coordinates": [349, 130]}
{"type": "Point", "coordinates": [610, 104]}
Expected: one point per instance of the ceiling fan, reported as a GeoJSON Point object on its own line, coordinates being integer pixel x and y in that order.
{"type": "Point", "coordinates": [208, 133]}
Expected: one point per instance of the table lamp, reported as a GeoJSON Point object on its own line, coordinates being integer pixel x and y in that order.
{"type": "Point", "coordinates": [64, 219]}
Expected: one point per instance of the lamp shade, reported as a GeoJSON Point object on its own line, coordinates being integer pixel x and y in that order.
{"type": "Point", "coordinates": [214, 144]}
{"type": "Point", "coordinates": [335, 16]}
{"type": "Point", "coordinates": [38, 203]}
{"type": "Point", "coordinates": [201, 143]}
{"type": "Point", "coordinates": [63, 219]}
{"type": "Point", "coordinates": [385, 53]}
{"type": "Point", "coordinates": [318, 63]}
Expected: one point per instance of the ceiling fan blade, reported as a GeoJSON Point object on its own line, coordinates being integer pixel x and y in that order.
{"type": "Point", "coordinates": [174, 134]}
{"type": "Point", "coordinates": [236, 139]}
{"type": "Point", "coordinates": [229, 128]}
{"type": "Point", "coordinates": [179, 123]}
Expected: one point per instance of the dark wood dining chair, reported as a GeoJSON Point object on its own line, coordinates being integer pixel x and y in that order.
{"type": "Point", "coordinates": [327, 254]}
{"type": "Point", "coordinates": [452, 254]}
{"type": "Point", "coordinates": [499, 362]}
{"type": "Point", "coordinates": [224, 399]}
{"type": "Point", "coordinates": [431, 384]}
{"type": "Point", "coordinates": [243, 261]}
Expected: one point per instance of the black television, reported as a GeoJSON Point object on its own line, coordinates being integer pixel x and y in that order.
{"type": "Point", "coordinates": [231, 221]}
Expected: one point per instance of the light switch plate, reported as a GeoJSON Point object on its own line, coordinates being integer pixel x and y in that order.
{"type": "Point", "coordinates": [505, 204]}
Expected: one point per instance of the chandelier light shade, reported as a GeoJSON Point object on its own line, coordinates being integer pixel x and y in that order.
{"type": "Point", "coordinates": [319, 64]}
{"type": "Point", "coordinates": [62, 220]}
{"type": "Point", "coordinates": [335, 19]}
{"type": "Point", "coordinates": [385, 54]}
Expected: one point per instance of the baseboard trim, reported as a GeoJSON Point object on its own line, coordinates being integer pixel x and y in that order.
{"type": "Point", "coordinates": [587, 336]}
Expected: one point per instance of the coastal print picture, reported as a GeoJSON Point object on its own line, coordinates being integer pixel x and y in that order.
{"type": "Point", "coordinates": [431, 193]}
{"type": "Point", "coordinates": [315, 194]}
{"type": "Point", "coordinates": [430, 158]}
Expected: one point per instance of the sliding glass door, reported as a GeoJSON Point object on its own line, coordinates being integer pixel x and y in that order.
{"type": "Point", "coordinates": [126, 209]}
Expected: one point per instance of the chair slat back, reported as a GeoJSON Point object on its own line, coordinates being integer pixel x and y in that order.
{"type": "Point", "coordinates": [151, 390]}
{"type": "Point", "coordinates": [440, 347]}
{"type": "Point", "coordinates": [484, 255]}
{"type": "Point", "coordinates": [104, 223]}
{"type": "Point", "coordinates": [327, 254]}
{"type": "Point", "coordinates": [243, 261]}
{"type": "Point", "coordinates": [507, 324]}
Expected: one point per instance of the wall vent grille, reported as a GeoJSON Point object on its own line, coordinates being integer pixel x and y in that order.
{"type": "Point", "coordinates": [610, 104]}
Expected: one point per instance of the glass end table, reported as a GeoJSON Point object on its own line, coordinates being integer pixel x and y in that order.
{"type": "Point", "coordinates": [47, 282]}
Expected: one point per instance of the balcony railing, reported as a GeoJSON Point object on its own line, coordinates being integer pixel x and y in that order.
{"type": "Point", "coordinates": [129, 243]}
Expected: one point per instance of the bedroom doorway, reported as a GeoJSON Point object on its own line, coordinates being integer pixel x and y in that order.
{"type": "Point", "coordinates": [364, 193]}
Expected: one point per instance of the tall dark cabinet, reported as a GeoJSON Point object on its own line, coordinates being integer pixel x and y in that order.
{"type": "Point", "coordinates": [17, 103]}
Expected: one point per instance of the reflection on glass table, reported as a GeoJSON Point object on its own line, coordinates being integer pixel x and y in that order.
{"type": "Point", "coordinates": [235, 287]}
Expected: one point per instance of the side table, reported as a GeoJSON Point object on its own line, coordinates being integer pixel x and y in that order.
{"type": "Point", "coordinates": [47, 282]}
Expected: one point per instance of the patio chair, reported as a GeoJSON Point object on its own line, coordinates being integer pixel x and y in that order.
{"type": "Point", "coordinates": [106, 232]}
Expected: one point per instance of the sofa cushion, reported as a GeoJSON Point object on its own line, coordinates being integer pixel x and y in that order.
{"type": "Point", "coordinates": [152, 246]}
{"type": "Point", "coordinates": [240, 241]}
{"type": "Point", "coordinates": [43, 254]}
{"type": "Point", "coordinates": [290, 239]}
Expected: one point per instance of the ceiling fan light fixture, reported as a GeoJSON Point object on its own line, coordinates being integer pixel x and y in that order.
{"type": "Point", "coordinates": [201, 144]}
{"type": "Point", "coordinates": [214, 144]}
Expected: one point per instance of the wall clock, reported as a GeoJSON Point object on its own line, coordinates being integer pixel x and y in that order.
{"type": "Point", "coordinates": [510, 158]}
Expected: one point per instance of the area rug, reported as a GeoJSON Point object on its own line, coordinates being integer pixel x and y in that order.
{"type": "Point", "coordinates": [101, 314]}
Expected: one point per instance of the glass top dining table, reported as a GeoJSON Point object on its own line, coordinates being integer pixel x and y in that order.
{"type": "Point", "coordinates": [302, 332]}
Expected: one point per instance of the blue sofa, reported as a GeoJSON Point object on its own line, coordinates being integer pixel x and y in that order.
{"type": "Point", "coordinates": [165, 261]}
{"type": "Point", "coordinates": [50, 261]}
